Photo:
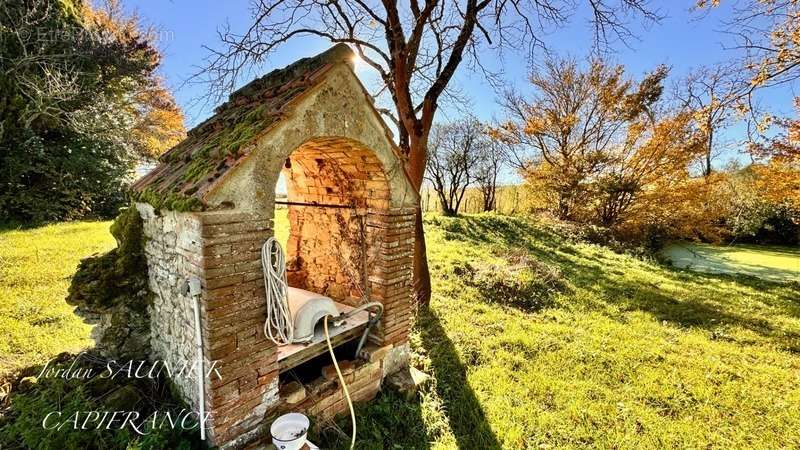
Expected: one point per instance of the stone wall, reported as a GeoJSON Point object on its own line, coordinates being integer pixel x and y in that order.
{"type": "Point", "coordinates": [173, 252]}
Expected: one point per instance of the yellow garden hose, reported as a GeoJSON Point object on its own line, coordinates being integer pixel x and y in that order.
{"type": "Point", "coordinates": [344, 385]}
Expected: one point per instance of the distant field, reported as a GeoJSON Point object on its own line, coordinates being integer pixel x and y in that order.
{"type": "Point", "coordinates": [35, 270]}
{"type": "Point", "coordinates": [768, 262]}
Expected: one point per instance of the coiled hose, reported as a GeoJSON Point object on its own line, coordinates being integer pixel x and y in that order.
{"type": "Point", "coordinates": [278, 327]}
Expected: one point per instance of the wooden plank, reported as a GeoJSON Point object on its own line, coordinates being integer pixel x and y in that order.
{"type": "Point", "coordinates": [290, 356]}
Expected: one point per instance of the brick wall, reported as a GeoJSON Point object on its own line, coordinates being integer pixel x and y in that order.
{"type": "Point", "coordinates": [234, 312]}
{"type": "Point", "coordinates": [325, 397]}
{"type": "Point", "coordinates": [391, 277]}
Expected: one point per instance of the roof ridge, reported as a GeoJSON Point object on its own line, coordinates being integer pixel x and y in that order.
{"type": "Point", "coordinates": [277, 78]}
{"type": "Point", "coordinates": [221, 141]}
{"type": "Point", "coordinates": [338, 53]}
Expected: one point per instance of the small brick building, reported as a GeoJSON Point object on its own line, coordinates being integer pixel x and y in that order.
{"type": "Point", "coordinates": [208, 208]}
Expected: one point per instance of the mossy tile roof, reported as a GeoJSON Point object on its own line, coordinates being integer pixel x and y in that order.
{"type": "Point", "coordinates": [190, 169]}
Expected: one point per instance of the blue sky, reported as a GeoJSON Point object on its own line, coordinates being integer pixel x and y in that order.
{"type": "Point", "coordinates": [683, 40]}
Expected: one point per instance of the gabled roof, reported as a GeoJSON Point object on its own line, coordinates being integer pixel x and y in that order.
{"type": "Point", "coordinates": [191, 168]}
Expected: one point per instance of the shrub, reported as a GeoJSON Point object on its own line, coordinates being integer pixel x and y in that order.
{"type": "Point", "coordinates": [525, 283]}
{"type": "Point", "coordinates": [76, 112]}
{"type": "Point", "coordinates": [65, 178]}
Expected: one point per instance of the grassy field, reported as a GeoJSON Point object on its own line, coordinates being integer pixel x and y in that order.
{"type": "Point", "coordinates": [768, 262]}
{"type": "Point", "coordinates": [618, 353]}
{"type": "Point", "coordinates": [533, 339]}
{"type": "Point", "coordinates": [35, 270]}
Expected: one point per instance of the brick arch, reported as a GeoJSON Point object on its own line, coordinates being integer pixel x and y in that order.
{"type": "Point", "coordinates": [338, 171]}
{"type": "Point", "coordinates": [335, 251]}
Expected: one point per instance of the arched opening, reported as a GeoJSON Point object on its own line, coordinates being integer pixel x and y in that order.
{"type": "Point", "coordinates": [331, 220]}
{"type": "Point", "coordinates": [334, 187]}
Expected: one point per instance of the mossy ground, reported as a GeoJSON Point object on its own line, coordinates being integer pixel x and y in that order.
{"type": "Point", "coordinates": [117, 276]}
{"type": "Point", "coordinates": [617, 352]}
{"type": "Point", "coordinates": [770, 262]}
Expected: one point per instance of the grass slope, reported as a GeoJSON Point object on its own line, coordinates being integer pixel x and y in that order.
{"type": "Point", "coordinates": [629, 354]}
{"type": "Point", "coordinates": [35, 270]}
{"type": "Point", "coordinates": [769, 262]}
{"type": "Point", "coordinates": [534, 340]}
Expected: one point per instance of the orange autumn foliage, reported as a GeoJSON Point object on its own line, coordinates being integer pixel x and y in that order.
{"type": "Point", "coordinates": [160, 124]}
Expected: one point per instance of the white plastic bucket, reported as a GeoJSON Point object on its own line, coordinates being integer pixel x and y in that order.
{"type": "Point", "coordinates": [289, 431]}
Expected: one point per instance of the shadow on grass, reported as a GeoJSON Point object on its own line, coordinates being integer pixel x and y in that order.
{"type": "Point", "coordinates": [388, 421]}
{"type": "Point", "coordinates": [393, 421]}
{"type": "Point", "coordinates": [700, 300]}
{"type": "Point", "coordinates": [464, 412]}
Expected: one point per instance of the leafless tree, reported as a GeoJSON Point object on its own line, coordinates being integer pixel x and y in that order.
{"type": "Point", "coordinates": [416, 48]}
{"type": "Point", "coordinates": [491, 160]}
{"type": "Point", "coordinates": [713, 93]}
{"type": "Point", "coordinates": [453, 153]}
{"type": "Point", "coordinates": [765, 35]}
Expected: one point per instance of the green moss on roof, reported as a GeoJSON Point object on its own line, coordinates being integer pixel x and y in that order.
{"type": "Point", "coordinates": [190, 169]}
{"type": "Point", "coordinates": [171, 201]}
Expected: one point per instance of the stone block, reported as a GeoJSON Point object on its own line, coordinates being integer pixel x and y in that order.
{"type": "Point", "coordinates": [329, 372]}
{"type": "Point", "coordinates": [408, 381]}
{"type": "Point", "coordinates": [293, 393]}
{"type": "Point", "coordinates": [373, 353]}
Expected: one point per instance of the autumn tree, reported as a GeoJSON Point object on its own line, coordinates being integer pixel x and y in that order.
{"type": "Point", "coordinates": [767, 42]}
{"type": "Point", "coordinates": [573, 122]}
{"type": "Point", "coordinates": [79, 106]}
{"type": "Point", "coordinates": [415, 48]}
{"type": "Point", "coordinates": [596, 140]}
{"type": "Point", "coordinates": [654, 156]}
{"type": "Point", "coordinates": [768, 33]}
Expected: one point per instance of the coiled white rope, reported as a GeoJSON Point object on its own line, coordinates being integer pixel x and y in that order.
{"type": "Point", "coordinates": [278, 327]}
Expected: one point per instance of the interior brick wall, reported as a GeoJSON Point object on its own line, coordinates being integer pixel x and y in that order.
{"type": "Point", "coordinates": [325, 252]}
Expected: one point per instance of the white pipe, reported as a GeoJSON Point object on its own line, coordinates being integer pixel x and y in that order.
{"type": "Point", "coordinates": [194, 290]}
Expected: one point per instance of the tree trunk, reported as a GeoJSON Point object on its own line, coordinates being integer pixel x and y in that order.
{"type": "Point", "coordinates": [422, 277]}
{"type": "Point", "coordinates": [416, 171]}
{"type": "Point", "coordinates": [710, 145]}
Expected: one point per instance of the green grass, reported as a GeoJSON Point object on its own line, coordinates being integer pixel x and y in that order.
{"type": "Point", "coordinates": [769, 262]}
{"type": "Point", "coordinates": [533, 339]}
{"type": "Point", "coordinates": [35, 270]}
{"type": "Point", "coordinates": [628, 354]}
